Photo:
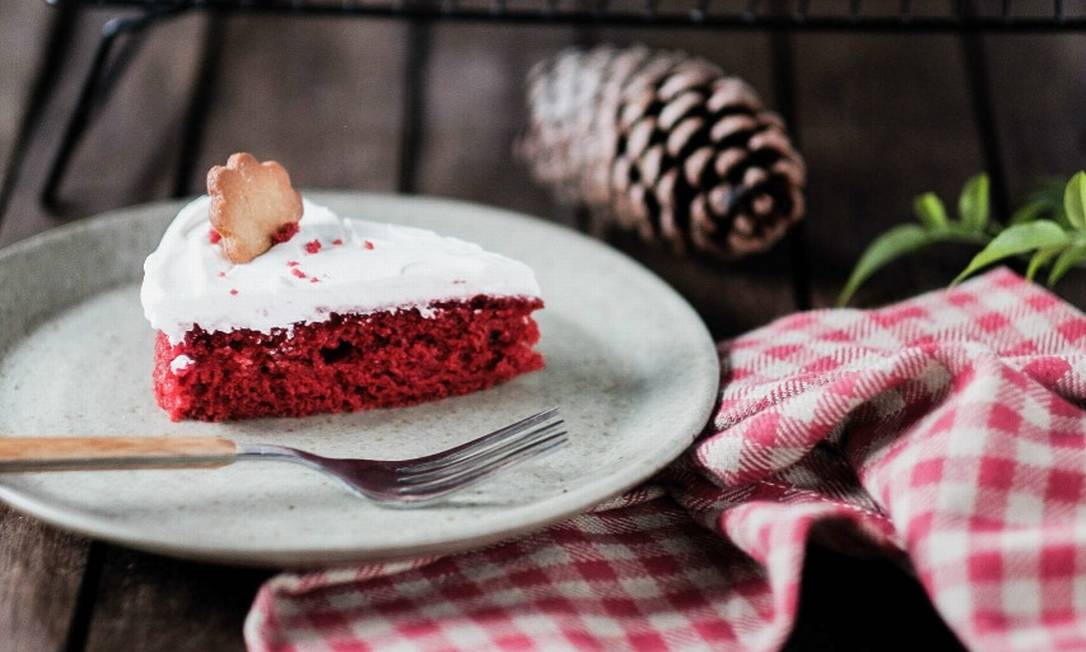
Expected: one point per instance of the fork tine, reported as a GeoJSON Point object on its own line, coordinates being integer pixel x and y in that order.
{"type": "Point", "coordinates": [462, 479]}
{"type": "Point", "coordinates": [410, 476]}
{"type": "Point", "coordinates": [445, 457]}
{"type": "Point", "coordinates": [415, 495]}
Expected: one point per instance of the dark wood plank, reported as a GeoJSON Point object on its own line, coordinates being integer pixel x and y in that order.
{"type": "Point", "coordinates": [321, 95]}
{"type": "Point", "coordinates": [473, 104]}
{"type": "Point", "coordinates": [884, 118]}
{"type": "Point", "coordinates": [1039, 118]}
{"type": "Point", "coordinates": [744, 54]}
{"type": "Point", "coordinates": [147, 602]}
{"type": "Point", "coordinates": [730, 297]}
{"type": "Point", "coordinates": [40, 573]}
{"type": "Point", "coordinates": [20, 50]}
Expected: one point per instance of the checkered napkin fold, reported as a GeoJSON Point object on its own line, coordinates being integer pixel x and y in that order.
{"type": "Point", "coordinates": [949, 428]}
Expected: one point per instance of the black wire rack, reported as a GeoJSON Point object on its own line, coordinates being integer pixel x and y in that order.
{"type": "Point", "coordinates": [922, 15]}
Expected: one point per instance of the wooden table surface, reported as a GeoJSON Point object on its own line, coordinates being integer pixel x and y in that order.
{"type": "Point", "coordinates": [879, 117]}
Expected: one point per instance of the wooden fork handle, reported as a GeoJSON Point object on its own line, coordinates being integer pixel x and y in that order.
{"type": "Point", "coordinates": [98, 453]}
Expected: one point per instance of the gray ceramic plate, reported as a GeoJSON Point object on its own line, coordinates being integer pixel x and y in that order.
{"type": "Point", "coordinates": [628, 361]}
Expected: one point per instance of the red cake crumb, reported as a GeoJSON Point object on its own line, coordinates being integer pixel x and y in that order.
{"type": "Point", "coordinates": [349, 362]}
{"type": "Point", "coordinates": [292, 263]}
{"type": "Point", "coordinates": [297, 272]}
{"type": "Point", "coordinates": [337, 241]}
{"type": "Point", "coordinates": [286, 232]}
{"type": "Point", "coordinates": [314, 280]}
{"type": "Point", "coordinates": [313, 246]}
{"type": "Point", "coordinates": [369, 245]}
{"type": "Point", "coordinates": [233, 291]}
{"type": "Point", "coordinates": [222, 274]}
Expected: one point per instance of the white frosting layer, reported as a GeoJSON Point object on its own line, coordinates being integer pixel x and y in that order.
{"type": "Point", "coordinates": [187, 281]}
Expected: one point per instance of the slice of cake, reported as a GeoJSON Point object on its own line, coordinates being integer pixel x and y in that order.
{"type": "Point", "coordinates": [270, 305]}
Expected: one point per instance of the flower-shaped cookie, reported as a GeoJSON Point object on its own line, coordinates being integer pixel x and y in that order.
{"type": "Point", "coordinates": [253, 206]}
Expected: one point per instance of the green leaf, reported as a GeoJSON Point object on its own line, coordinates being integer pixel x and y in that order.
{"type": "Point", "coordinates": [889, 246]}
{"type": "Point", "coordinates": [1074, 200]}
{"type": "Point", "coordinates": [1066, 261]}
{"type": "Point", "coordinates": [1040, 259]}
{"type": "Point", "coordinates": [973, 203]}
{"type": "Point", "coordinates": [1031, 212]}
{"type": "Point", "coordinates": [930, 211]}
{"type": "Point", "coordinates": [1050, 194]}
{"type": "Point", "coordinates": [1015, 240]}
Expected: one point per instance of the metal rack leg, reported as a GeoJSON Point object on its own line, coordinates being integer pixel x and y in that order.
{"type": "Point", "coordinates": [100, 80]}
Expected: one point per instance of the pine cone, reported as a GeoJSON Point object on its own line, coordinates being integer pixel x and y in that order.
{"type": "Point", "coordinates": [665, 144]}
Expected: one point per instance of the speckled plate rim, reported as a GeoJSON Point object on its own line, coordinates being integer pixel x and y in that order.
{"type": "Point", "coordinates": [520, 519]}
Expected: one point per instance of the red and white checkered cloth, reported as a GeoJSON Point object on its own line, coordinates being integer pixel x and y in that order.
{"type": "Point", "coordinates": [949, 427]}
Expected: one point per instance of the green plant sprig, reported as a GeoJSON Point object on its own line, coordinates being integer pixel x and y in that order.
{"type": "Point", "coordinates": [1050, 227]}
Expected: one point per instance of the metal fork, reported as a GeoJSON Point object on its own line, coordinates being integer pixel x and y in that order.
{"type": "Point", "coordinates": [409, 482]}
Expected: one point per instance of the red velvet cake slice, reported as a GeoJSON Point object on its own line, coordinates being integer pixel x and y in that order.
{"type": "Point", "coordinates": [342, 315]}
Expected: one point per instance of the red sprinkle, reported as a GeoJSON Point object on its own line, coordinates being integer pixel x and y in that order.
{"type": "Point", "coordinates": [213, 236]}
{"type": "Point", "coordinates": [337, 241]}
{"type": "Point", "coordinates": [292, 263]}
{"type": "Point", "coordinates": [285, 232]}
{"type": "Point", "coordinates": [222, 274]}
{"type": "Point", "coordinates": [313, 246]}
{"type": "Point", "coordinates": [232, 291]}
{"type": "Point", "coordinates": [297, 272]}
{"type": "Point", "coordinates": [369, 245]}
